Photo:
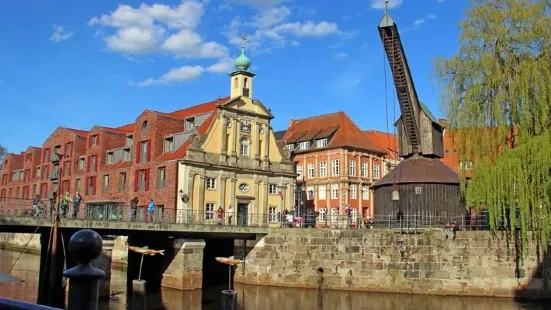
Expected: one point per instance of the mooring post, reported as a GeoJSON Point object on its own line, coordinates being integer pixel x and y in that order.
{"type": "Point", "coordinates": [139, 296]}
{"type": "Point", "coordinates": [229, 300]}
{"type": "Point", "coordinates": [85, 245]}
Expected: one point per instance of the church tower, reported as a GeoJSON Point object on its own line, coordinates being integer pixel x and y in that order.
{"type": "Point", "coordinates": [241, 79]}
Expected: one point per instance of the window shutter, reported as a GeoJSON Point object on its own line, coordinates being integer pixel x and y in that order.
{"type": "Point", "coordinates": [94, 185]}
{"type": "Point", "coordinates": [147, 180]}
{"type": "Point", "coordinates": [138, 149]}
{"type": "Point", "coordinates": [149, 150]}
{"type": "Point", "coordinates": [136, 180]}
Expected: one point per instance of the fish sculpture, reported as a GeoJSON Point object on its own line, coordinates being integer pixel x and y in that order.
{"type": "Point", "coordinates": [229, 260]}
{"type": "Point", "coordinates": [145, 250]}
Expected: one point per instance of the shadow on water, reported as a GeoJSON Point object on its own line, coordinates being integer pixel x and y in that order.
{"type": "Point", "coordinates": [255, 297]}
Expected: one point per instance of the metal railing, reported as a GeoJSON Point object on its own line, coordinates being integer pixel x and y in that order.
{"type": "Point", "coordinates": [9, 304]}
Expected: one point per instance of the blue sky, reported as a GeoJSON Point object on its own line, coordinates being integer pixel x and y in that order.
{"type": "Point", "coordinates": [82, 63]}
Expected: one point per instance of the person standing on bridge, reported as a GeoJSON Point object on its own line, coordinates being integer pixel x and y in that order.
{"type": "Point", "coordinates": [36, 203]}
{"type": "Point", "coordinates": [150, 210]}
{"type": "Point", "coordinates": [133, 208]}
{"type": "Point", "coordinates": [64, 204]}
{"type": "Point", "coordinates": [76, 204]}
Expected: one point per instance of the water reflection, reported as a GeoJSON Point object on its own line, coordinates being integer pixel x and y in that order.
{"type": "Point", "coordinates": [251, 297]}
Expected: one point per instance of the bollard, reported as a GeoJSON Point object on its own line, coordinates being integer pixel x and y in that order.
{"type": "Point", "coordinates": [85, 245]}
{"type": "Point", "coordinates": [139, 296]}
{"type": "Point", "coordinates": [229, 300]}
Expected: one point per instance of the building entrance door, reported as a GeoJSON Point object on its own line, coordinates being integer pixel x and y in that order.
{"type": "Point", "coordinates": [242, 213]}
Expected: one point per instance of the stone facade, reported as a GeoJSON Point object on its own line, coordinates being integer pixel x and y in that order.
{"type": "Point", "coordinates": [185, 271]}
{"type": "Point", "coordinates": [474, 264]}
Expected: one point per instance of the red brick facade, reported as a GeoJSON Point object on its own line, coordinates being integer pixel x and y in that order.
{"type": "Point", "coordinates": [109, 165]}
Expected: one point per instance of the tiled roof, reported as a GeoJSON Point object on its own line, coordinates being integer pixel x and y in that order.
{"type": "Point", "coordinates": [345, 132]}
{"type": "Point", "coordinates": [127, 128]}
{"type": "Point", "coordinates": [200, 108]}
{"type": "Point", "coordinates": [279, 134]}
{"type": "Point", "coordinates": [79, 132]}
{"type": "Point", "coordinates": [385, 141]}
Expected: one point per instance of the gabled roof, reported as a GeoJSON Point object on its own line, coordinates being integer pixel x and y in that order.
{"type": "Point", "coordinates": [345, 133]}
{"type": "Point", "coordinates": [78, 132]}
{"type": "Point", "coordinates": [200, 108]}
{"type": "Point", "coordinates": [109, 129]}
{"type": "Point", "coordinates": [279, 134]}
{"type": "Point", "coordinates": [384, 140]}
{"type": "Point", "coordinates": [127, 128]}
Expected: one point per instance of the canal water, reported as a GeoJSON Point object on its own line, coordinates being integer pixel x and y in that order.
{"type": "Point", "coordinates": [252, 297]}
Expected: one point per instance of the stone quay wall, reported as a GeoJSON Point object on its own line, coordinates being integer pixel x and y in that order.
{"type": "Point", "coordinates": [17, 242]}
{"type": "Point", "coordinates": [476, 263]}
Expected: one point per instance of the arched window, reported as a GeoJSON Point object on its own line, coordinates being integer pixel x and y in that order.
{"type": "Point", "coordinates": [245, 146]}
{"type": "Point", "coordinates": [245, 81]}
{"type": "Point", "coordinates": [235, 82]}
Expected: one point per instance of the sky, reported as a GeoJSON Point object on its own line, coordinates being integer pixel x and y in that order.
{"type": "Point", "coordinates": [83, 63]}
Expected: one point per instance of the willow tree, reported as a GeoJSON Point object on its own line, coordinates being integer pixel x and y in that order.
{"type": "Point", "coordinates": [497, 94]}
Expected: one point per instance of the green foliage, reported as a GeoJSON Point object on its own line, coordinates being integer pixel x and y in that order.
{"type": "Point", "coordinates": [497, 92]}
{"type": "Point", "coordinates": [3, 152]}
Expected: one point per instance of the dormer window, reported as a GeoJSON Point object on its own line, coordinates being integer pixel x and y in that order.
{"type": "Point", "coordinates": [145, 128]}
{"type": "Point", "coordinates": [304, 145]}
{"type": "Point", "coordinates": [94, 140]}
{"type": "Point", "coordinates": [168, 144]}
{"type": "Point", "coordinates": [110, 158]}
{"type": "Point", "coordinates": [290, 147]}
{"type": "Point", "coordinates": [190, 123]}
{"type": "Point", "coordinates": [321, 143]}
{"type": "Point", "coordinates": [129, 140]}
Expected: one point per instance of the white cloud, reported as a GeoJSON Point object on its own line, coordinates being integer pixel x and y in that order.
{"type": "Point", "coordinates": [308, 29]}
{"type": "Point", "coordinates": [271, 17]}
{"type": "Point", "coordinates": [419, 21]}
{"type": "Point", "coordinates": [341, 56]}
{"type": "Point", "coordinates": [381, 5]}
{"type": "Point", "coordinates": [60, 33]}
{"type": "Point", "coordinates": [182, 74]}
{"type": "Point", "coordinates": [224, 65]}
{"type": "Point", "coordinates": [189, 44]}
{"type": "Point", "coordinates": [258, 3]}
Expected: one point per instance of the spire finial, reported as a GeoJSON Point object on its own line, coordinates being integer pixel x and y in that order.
{"type": "Point", "coordinates": [244, 38]}
{"type": "Point", "coordinates": [242, 63]}
{"type": "Point", "coordinates": [386, 6]}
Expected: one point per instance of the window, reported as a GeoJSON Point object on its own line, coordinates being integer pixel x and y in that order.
{"type": "Point", "coordinates": [126, 155]}
{"type": "Point", "coordinates": [161, 177]}
{"type": "Point", "coordinates": [334, 214]}
{"type": "Point", "coordinates": [168, 145]}
{"type": "Point", "coordinates": [143, 151]}
{"type": "Point", "coordinates": [322, 214]}
{"type": "Point", "coordinates": [310, 193]}
{"type": "Point", "coordinates": [105, 187]}
{"type": "Point", "coordinates": [110, 158]}
{"type": "Point", "coordinates": [141, 180]}
{"type": "Point", "coordinates": [91, 186]}
{"type": "Point", "coordinates": [57, 149]}
{"type": "Point", "coordinates": [34, 190]}
{"type": "Point", "coordinates": [364, 170]}
{"type": "Point", "coordinates": [92, 163]}
{"type": "Point", "coordinates": [129, 140]}
{"type": "Point", "coordinates": [321, 192]}
{"type": "Point", "coordinates": [67, 168]}
{"type": "Point", "coordinates": [290, 147]}
{"type": "Point", "coordinates": [466, 165]}
{"type": "Point", "coordinates": [244, 147]}
{"type": "Point", "coordinates": [78, 185]}
{"type": "Point", "coordinates": [334, 191]}
{"type": "Point", "coordinates": [299, 170]}
{"type": "Point", "coordinates": [386, 168]}
{"type": "Point", "coordinates": [272, 211]}
{"type": "Point", "coordinates": [37, 173]}
{"type": "Point", "coordinates": [28, 157]}
{"type": "Point", "coordinates": [81, 163]}
{"type": "Point", "coordinates": [68, 147]}
{"type": "Point", "coordinates": [94, 140]}
{"type": "Point", "coordinates": [354, 215]}
{"type": "Point", "coordinates": [209, 211]}
{"type": "Point", "coordinates": [211, 183]}
{"type": "Point", "coordinates": [323, 169]}
{"type": "Point", "coordinates": [376, 171]}
{"type": "Point", "coordinates": [418, 190]}
{"type": "Point", "coordinates": [335, 167]}
{"type": "Point", "coordinates": [353, 192]}
{"type": "Point", "coordinates": [145, 128]}
{"type": "Point", "coordinates": [122, 182]}
{"type": "Point", "coordinates": [365, 192]}
{"type": "Point", "coordinates": [190, 124]}
{"type": "Point", "coordinates": [46, 157]}
{"type": "Point", "coordinates": [272, 189]}
{"type": "Point", "coordinates": [311, 170]}
{"type": "Point", "coordinates": [304, 145]}
{"type": "Point", "coordinates": [321, 143]}
{"type": "Point", "coordinates": [352, 168]}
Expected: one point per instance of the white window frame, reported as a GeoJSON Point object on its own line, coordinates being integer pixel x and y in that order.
{"type": "Point", "coordinates": [365, 192]}
{"type": "Point", "coordinates": [310, 193]}
{"type": "Point", "coordinates": [322, 217]}
{"type": "Point", "coordinates": [311, 170]}
{"type": "Point", "coordinates": [244, 147]}
{"type": "Point", "coordinates": [334, 215]}
{"type": "Point", "coordinates": [321, 143]}
{"type": "Point", "coordinates": [291, 147]}
{"type": "Point", "coordinates": [334, 191]}
{"type": "Point", "coordinates": [211, 183]}
{"type": "Point", "coordinates": [272, 214]}
{"type": "Point", "coordinates": [353, 192]}
{"type": "Point", "coordinates": [352, 168]}
{"type": "Point", "coordinates": [376, 171]}
{"type": "Point", "coordinates": [299, 170]}
{"type": "Point", "coordinates": [466, 165]}
{"type": "Point", "coordinates": [364, 172]}
{"type": "Point", "coordinates": [304, 145]}
{"type": "Point", "coordinates": [353, 215]}
{"type": "Point", "coordinates": [323, 168]}
{"type": "Point", "coordinates": [210, 210]}
{"type": "Point", "coordinates": [322, 192]}
{"type": "Point", "coordinates": [272, 189]}
{"type": "Point", "coordinates": [335, 167]}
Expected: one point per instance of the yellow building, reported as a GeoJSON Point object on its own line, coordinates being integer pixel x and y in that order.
{"type": "Point", "coordinates": [236, 162]}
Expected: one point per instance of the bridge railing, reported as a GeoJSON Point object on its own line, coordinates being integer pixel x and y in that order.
{"type": "Point", "coordinates": [125, 213]}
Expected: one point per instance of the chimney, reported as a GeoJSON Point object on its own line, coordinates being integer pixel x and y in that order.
{"type": "Point", "coordinates": [291, 122]}
{"type": "Point", "coordinates": [444, 122]}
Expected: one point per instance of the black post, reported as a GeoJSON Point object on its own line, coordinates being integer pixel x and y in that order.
{"type": "Point", "coordinates": [85, 245]}
{"type": "Point", "coordinates": [139, 296]}
{"type": "Point", "coordinates": [229, 300]}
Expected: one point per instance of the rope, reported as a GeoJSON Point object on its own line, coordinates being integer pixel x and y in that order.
{"type": "Point", "coordinates": [24, 248]}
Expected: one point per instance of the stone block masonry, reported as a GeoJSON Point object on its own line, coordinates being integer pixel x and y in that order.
{"type": "Point", "coordinates": [474, 264]}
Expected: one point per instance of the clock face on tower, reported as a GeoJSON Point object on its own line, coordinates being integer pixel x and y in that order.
{"type": "Point", "coordinates": [244, 187]}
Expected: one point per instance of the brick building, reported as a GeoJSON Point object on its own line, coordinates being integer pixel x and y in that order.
{"type": "Point", "coordinates": [336, 163]}
{"type": "Point", "coordinates": [452, 144]}
{"type": "Point", "coordinates": [195, 159]}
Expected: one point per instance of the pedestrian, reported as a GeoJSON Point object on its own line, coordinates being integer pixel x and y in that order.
{"type": "Point", "coordinates": [150, 210]}
{"type": "Point", "coordinates": [36, 202]}
{"type": "Point", "coordinates": [76, 204]}
{"type": "Point", "coordinates": [64, 204]}
{"type": "Point", "coordinates": [220, 215]}
{"type": "Point", "coordinates": [230, 215]}
{"type": "Point", "coordinates": [133, 208]}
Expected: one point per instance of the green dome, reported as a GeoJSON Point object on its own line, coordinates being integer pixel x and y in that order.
{"type": "Point", "coordinates": [242, 63]}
